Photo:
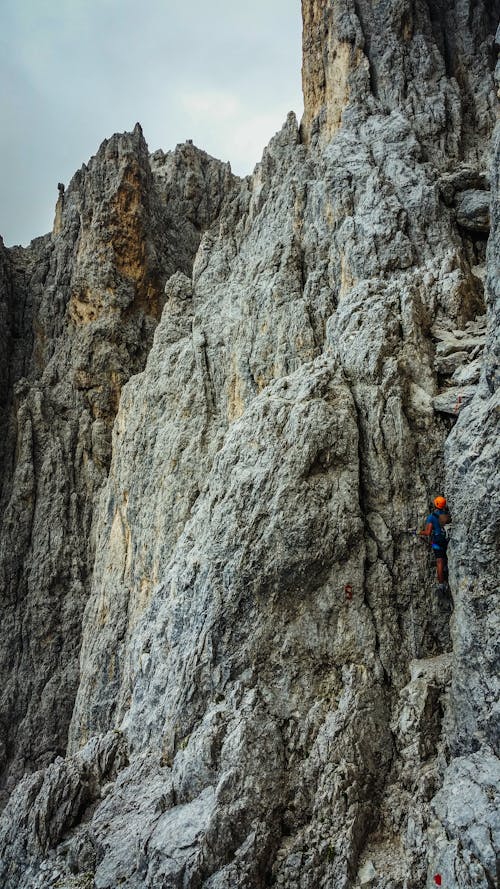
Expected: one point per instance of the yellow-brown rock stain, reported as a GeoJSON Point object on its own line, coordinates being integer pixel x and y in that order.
{"type": "Point", "coordinates": [117, 240]}
{"type": "Point", "coordinates": [327, 65]}
{"type": "Point", "coordinates": [85, 306]}
{"type": "Point", "coordinates": [128, 239]}
{"type": "Point", "coordinates": [236, 394]}
{"type": "Point", "coordinates": [347, 280]}
{"type": "Point", "coordinates": [57, 226]}
{"type": "Point", "coordinates": [236, 404]}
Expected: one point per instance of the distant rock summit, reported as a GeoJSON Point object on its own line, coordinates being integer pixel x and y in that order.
{"type": "Point", "coordinates": [225, 404]}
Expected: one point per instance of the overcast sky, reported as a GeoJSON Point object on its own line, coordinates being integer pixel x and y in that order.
{"type": "Point", "coordinates": [220, 72]}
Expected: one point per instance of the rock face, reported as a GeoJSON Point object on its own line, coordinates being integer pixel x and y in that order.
{"type": "Point", "coordinates": [269, 689]}
{"type": "Point", "coordinates": [80, 308]}
{"type": "Point", "coordinates": [466, 840]}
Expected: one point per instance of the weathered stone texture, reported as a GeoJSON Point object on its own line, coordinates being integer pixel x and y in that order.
{"type": "Point", "coordinates": [466, 839]}
{"type": "Point", "coordinates": [269, 690]}
{"type": "Point", "coordinates": [82, 306]}
{"type": "Point", "coordinates": [6, 337]}
{"type": "Point", "coordinates": [431, 61]}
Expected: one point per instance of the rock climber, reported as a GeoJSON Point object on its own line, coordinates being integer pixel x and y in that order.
{"type": "Point", "coordinates": [434, 532]}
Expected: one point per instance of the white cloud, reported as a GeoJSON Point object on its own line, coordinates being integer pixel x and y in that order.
{"type": "Point", "coordinates": [227, 127]}
{"type": "Point", "coordinates": [215, 105]}
{"type": "Point", "coordinates": [250, 136]}
{"type": "Point", "coordinates": [224, 74]}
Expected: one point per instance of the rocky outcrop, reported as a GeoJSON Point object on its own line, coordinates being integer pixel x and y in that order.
{"type": "Point", "coordinates": [82, 306]}
{"type": "Point", "coordinates": [6, 336]}
{"type": "Point", "coordinates": [48, 804]}
{"type": "Point", "coordinates": [425, 60]}
{"type": "Point", "coordinates": [465, 839]}
{"type": "Point", "coordinates": [269, 690]}
{"type": "Point", "coordinates": [459, 357]}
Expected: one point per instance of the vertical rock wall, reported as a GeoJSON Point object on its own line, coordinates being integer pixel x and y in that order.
{"type": "Point", "coordinates": [81, 307]}
{"type": "Point", "coordinates": [427, 59]}
{"type": "Point", "coordinates": [465, 840]}
{"type": "Point", "coordinates": [6, 336]}
{"type": "Point", "coordinates": [263, 696]}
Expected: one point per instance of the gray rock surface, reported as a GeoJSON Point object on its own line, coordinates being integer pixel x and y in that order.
{"type": "Point", "coordinates": [81, 307]}
{"type": "Point", "coordinates": [454, 399]}
{"type": "Point", "coordinates": [473, 210]}
{"type": "Point", "coordinates": [6, 337]}
{"type": "Point", "coordinates": [465, 837]}
{"type": "Point", "coordinates": [269, 690]}
{"type": "Point", "coordinates": [47, 804]}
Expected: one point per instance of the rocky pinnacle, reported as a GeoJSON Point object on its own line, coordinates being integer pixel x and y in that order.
{"type": "Point", "coordinates": [225, 406]}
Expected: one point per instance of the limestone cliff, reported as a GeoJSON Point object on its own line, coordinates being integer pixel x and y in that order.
{"type": "Point", "coordinates": [80, 309]}
{"type": "Point", "coordinates": [226, 403]}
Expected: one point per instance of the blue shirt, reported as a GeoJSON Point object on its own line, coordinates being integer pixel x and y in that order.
{"type": "Point", "coordinates": [437, 531]}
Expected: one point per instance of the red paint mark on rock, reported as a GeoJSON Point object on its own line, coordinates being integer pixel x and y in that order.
{"type": "Point", "coordinates": [349, 592]}
{"type": "Point", "coordinates": [438, 879]}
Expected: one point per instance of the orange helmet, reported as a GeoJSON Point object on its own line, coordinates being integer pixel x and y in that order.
{"type": "Point", "coordinates": [440, 502]}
